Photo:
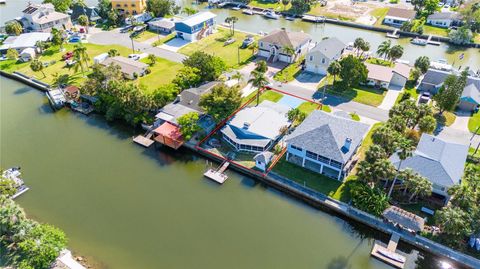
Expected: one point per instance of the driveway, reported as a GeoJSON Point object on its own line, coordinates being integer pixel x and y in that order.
{"type": "Point", "coordinates": [461, 121]}
{"type": "Point", "coordinates": [392, 94]}
{"type": "Point", "coordinates": [307, 80]}
{"type": "Point", "coordinates": [114, 37]}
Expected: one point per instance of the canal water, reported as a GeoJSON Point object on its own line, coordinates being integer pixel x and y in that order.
{"type": "Point", "coordinates": [123, 206]}
{"type": "Point", "coordinates": [257, 23]}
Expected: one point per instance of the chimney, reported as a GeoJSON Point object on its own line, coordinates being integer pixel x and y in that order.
{"type": "Point", "coordinates": [348, 143]}
{"type": "Point", "coordinates": [246, 125]}
{"type": "Point", "coordinates": [179, 98]}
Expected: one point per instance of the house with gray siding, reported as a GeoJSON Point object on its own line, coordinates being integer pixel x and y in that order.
{"type": "Point", "coordinates": [319, 58]}
{"type": "Point", "coordinates": [440, 161]}
{"type": "Point", "coordinates": [196, 27]}
{"type": "Point", "coordinates": [326, 144]}
{"type": "Point", "coordinates": [444, 19]}
{"type": "Point", "coordinates": [272, 45]}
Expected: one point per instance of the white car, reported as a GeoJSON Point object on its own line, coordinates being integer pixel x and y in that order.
{"type": "Point", "coordinates": [135, 57]}
{"type": "Point", "coordinates": [447, 6]}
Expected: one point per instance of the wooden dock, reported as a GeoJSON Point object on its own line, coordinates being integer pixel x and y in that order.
{"type": "Point", "coordinates": [312, 18]}
{"type": "Point", "coordinates": [218, 175]}
{"type": "Point", "coordinates": [394, 34]}
{"type": "Point", "coordinates": [431, 42]}
{"type": "Point", "coordinates": [144, 141]}
{"type": "Point", "coordinates": [388, 254]}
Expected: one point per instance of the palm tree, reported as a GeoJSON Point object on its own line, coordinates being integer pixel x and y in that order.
{"type": "Point", "coordinates": [37, 66]}
{"type": "Point", "coordinates": [13, 28]}
{"type": "Point", "coordinates": [453, 221]}
{"type": "Point", "coordinates": [113, 53]}
{"type": "Point", "coordinates": [253, 47]}
{"type": "Point", "coordinates": [41, 45]}
{"type": "Point", "coordinates": [407, 176]}
{"type": "Point", "coordinates": [384, 49]}
{"type": "Point", "coordinates": [80, 54]}
{"type": "Point", "coordinates": [152, 59]}
{"type": "Point", "coordinates": [238, 76]}
{"type": "Point", "coordinates": [334, 69]}
{"type": "Point", "coordinates": [395, 52]}
{"type": "Point", "coordinates": [261, 66]}
{"type": "Point", "coordinates": [365, 47]}
{"type": "Point", "coordinates": [259, 81]}
{"type": "Point", "coordinates": [421, 187]}
{"type": "Point", "coordinates": [358, 44]}
{"type": "Point", "coordinates": [189, 10]}
{"type": "Point", "coordinates": [83, 21]}
{"type": "Point", "coordinates": [233, 21]}
{"type": "Point", "coordinates": [57, 38]}
{"type": "Point", "coordinates": [289, 50]}
{"type": "Point", "coordinates": [59, 79]}
{"type": "Point", "coordinates": [404, 150]}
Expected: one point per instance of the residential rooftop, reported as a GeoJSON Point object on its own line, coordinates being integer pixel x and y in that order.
{"type": "Point", "coordinates": [285, 38]}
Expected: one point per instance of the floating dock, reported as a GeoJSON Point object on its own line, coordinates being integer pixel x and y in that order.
{"type": "Point", "coordinates": [431, 42]}
{"type": "Point", "coordinates": [218, 175]}
{"type": "Point", "coordinates": [388, 254]}
{"type": "Point", "coordinates": [312, 18]}
{"type": "Point", "coordinates": [394, 34]}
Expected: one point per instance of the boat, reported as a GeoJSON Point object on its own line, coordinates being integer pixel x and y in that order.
{"type": "Point", "coordinates": [247, 11]}
{"type": "Point", "coordinates": [2, 2]}
{"type": "Point", "coordinates": [236, 7]}
{"type": "Point", "coordinates": [56, 98]}
{"type": "Point", "coordinates": [14, 175]}
{"type": "Point", "coordinates": [270, 14]}
{"type": "Point", "coordinates": [392, 256]}
{"type": "Point", "coordinates": [289, 18]}
{"type": "Point", "coordinates": [247, 41]}
{"type": "Point", "coordinates": [393, 34]}
{"type": "Point", "coordinates": [229, 41]}
{"type": "Point", "coordinates": [419, 41]}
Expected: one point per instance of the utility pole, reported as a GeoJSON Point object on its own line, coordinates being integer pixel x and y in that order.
{"type": "Point", "coordinates": [133, 47]}
{"type": "Point", "coordinates": [238, 54]}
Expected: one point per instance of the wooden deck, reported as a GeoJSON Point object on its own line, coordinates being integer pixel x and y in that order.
{"type": "Point", "coordinates": [388, 254]}
{"type": "Point", "coordinates": [144, 141]}
{"type": "Point", "coordinates": [218, 175]}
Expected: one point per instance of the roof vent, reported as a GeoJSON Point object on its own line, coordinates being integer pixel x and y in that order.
{"type": "Point", "coordinates": [246, 125]}
{"type": "Point", "coordinates": [178, 99]}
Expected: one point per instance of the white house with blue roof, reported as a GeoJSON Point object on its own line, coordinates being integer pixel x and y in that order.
{"type": "Point", "coordinates": [440, 161]}
{"type": "Point", "coordinates": [326, 144]}
{"type": "Point", "coordinates": [196, 27]}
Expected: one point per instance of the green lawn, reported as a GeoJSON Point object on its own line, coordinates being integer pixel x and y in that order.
{"type": "Point", "coordinates": [432, 30]}
{"type": "Point", "coordinates": [266, 95]}
{"type": "Point", "coordinates": [360, 94]}
{"type": "Point", "coordinates": [380, 14]}
{"type": "Point", "coordinates": [381, 62]}
{"type": "Point", "coordinates": [308, 107]}
{"type": "Point", "coordinates": [213, 44]}
{"type": "Point", "coordinates": [474, 122]}
{"type": "Point", "coordinates": [414, 93]}
{"type": "Point", "coordinates": [163, 72]}
{"type": "Point", "coordinates": [471, 151]}
{"type": "Point", "coordinates": [290, 72]}
{"type": "Point", "coordinates": [367, 142]}
{"type": "Point", "coordinates": [269, 4]}
{"type": "Point", "coordinates": [145, 35]}
{"type": "Point", "coordinates": [447, 119]}
{"type": "Point", "coordinates": [316, 181]}
{"type": "Point", "coordinates": [163, 40]}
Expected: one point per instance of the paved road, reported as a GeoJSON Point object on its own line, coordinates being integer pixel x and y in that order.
{"type": "Point", "coordinates": [371, 112]}
{"type": "Point", "coordinates": [116, 38]}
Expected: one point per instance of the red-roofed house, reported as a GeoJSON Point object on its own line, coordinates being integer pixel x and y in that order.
{"type": "Point", "coordinates": [169, 135]}
{"type": "Point", "coordinates": [385, 77]}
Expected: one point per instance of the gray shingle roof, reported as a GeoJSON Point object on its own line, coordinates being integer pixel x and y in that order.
{"type": "Point", "coordinates": [325, 134]}
{"type": "Point", "coordinates": [285, 38]}
{"type": "Point", "coordinates": [401, 13]}
{"type": "Point", "coordinates": [435, 77]}
{"type": "Point", "coordinates": [439, 161]}
{"type": "Point", "coordinates": [329, 47]}
{"type": "Point", "coordinates": [264, 157]}
{"type": "Point", "coordinates": [443, 16]}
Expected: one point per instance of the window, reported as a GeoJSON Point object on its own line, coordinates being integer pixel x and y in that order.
{"type": "Point", "coordinates": [261, 44]}
{"type": "Point", "coordinates": [125, 5]}
{"type": "Point", "coordinates": [296, 148]}
{"type": "Point", "coordinates": [336, 164]}
{"type": "Point", "coordinates": [133, 4]}
{"type": "Point", "coordinates": [118, 5]}
{"type": "Point", "coordinates": [312, 155]}
{"type": "Point", "coordinates": [323, 159]}
{"type": "Point", "coordinates": [310, 58]}
{"type": "Point", "coordinates": [323, 60]}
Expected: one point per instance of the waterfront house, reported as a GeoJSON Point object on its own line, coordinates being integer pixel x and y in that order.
{"type": "Point", "coordinates": [129, 7]}
{"type": "Point", "coordinates": [444, 19]}
{"type": "Point", "coordinates": [23, 41]}
{"type": "Point", "coordinates": [262, 160]}
{"type": "Point", "coordinates": [131, 69]}
{"type": "Point", "coordinates": [272, 45]}
{"type": "Point", "coordinates": [162, 25]}
{"type": "Point", "coordinates": [470, 97]}
{"type": "Point", "coordinates": [398, 16]}
{"type": "Point", "coordinates": [319, 58]}
{"type": "Point", "coordinates": [169, 135]}
{"type": "Point", "coordinates": [196, 27]}
{"type": "Point", "coordinates": [138, 18]}
{"type": "Point", "coordinates": [440, 161]}
{"type": "Point", "coordinates": [388, 77]}
{"type": "Point", "coordinates": [79, 10]}
{"type": "Point", "coordinates": [256, 128]}
{"type": "Point", "coordinates": [326, 144]}
{"type": "Point", "coordinates": [187, 101]}
{"type": "Point", "coordinates": [43, 17]}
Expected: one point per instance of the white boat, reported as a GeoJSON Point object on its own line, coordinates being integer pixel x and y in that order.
{"type": "Point", "coordinates": [56, 98]}
{"type": "Point", "coordinates": [477, 244]}
{"type": "Point", "coordinates": [419, 41]}
{"type": "Point", "coordinates": [290, 18]}
{"type": "Point", "coordinates": [14, 175]}
{"type": "Point", "coordinates": [236, 8]}
{"type": "Point", "coordinates": [247, 11]}
{"type": "Point", "coordinates": [271, 15]}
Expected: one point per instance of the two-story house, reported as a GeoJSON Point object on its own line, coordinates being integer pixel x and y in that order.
{"type": "Point", "coordinates": [129, 7]}
{"type": "Point", "coordinates": [273, 46]}
{"type": "Point", "coordinates": [319, 58]}
{"type": "Point", "coordinates": [326, 144]}
{"type": "Point", "coordinates": [196, 27]}
{"type": "Point", "coordinates": [43, 17]}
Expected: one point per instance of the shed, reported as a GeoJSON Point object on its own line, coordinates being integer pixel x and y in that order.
{"type": "Point", "coordinates": [27, 54]}
{"type": "Point", "coordinates": [262, 160]}
{"type": "Point", "coordinates": [169, 135]}
{"type": "Point", "coordinates": [404, 218]}
{"type": "Point", "coordinates": [100, 58]}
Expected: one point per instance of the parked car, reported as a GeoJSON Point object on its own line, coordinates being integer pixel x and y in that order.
{"type": "Point", "coordinates": [81, 30]}
{"type": "Point", "coordinates": [135, 57]}
{"type": "Point", "coordinates": [247, 41]}
{"type": "Point", "coordinates": [67, 55]}
{"type": "Point", "coordinates": [74, 39]}
{"type": "Point", "coordinates": [424, 98]}
{"type": "Point", "coordinates": [126, 29]}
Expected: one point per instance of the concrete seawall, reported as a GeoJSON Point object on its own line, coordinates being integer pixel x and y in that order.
{"type": "Point", "coordinates": [27, 80]}
{"type": "Point", "coordinates": [325, 203]}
